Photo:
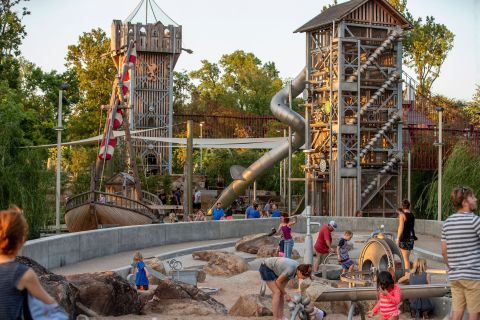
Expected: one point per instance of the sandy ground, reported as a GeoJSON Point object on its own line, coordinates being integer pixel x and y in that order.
{"type": "Point", "coordinates": [249, 283]}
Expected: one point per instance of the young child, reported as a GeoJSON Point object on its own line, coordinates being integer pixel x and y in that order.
{"type": "Point", "coordinates": [17, 277]}
{"type": "Point", "coordinates": [419, 275]}
{"type": "Point", "coordinates": [342, 252]}
{"type": "Point", "coordinates": [141, 275]}
{"type": "Point", "coordinates": [388, 297]}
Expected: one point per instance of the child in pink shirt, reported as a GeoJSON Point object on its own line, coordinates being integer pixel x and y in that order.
{"type": "Point", "coordinates": [388, 297]}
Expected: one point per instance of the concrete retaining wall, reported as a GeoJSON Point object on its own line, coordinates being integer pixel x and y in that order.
{"type": "Point", "coordinates": [61, 250]}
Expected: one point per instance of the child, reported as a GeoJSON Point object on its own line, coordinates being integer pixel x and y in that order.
{"type": "Point", "coordinates": [141, 276]}
{"type": "Point", "coordinates": [388, 297]}
{"type": "Point", "coordinates": [419, 275]}
{"type": "Point", "coordinates": [342, 252]}
{"type": "Point", "coordinates": [286, 230]}
{"type": "Point", "coordinates": [17, 277]}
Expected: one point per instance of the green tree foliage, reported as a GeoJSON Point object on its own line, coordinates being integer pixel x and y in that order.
{"type": "Point", "coordinates": [473, 107]}
{"type": "Point", "coordinates": [426, 48]}
{"type": "Point", "coordinates": [239, 80]}
{"type": "Point", "coordinates": [328, 6]}
{"type": "Point", "coordinates": [89, 61]}
{"type": "Point", "coordinates": [462, 168]}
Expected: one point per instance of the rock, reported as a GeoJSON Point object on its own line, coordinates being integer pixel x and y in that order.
{"type": "Point", "coordinates": [253, 242]}
{"type": "Point", "coordinates": [272, 251]}
{"type": "Point", "coordinates": [106, 293]}
{"type": "Point", "coordinates": [171, 291]}
{"type": "Point", "coordinates": [56, 285]}
{"type": "Point", "coordinates": [251, 305]}
{"type": "Point", "coordinates": [205, 255]}
{"type": "Point", "coordinates": [222, 263]}
{"type": "Point", "coordinates": [298, 238]}
{"type": "Point", "coordinates": [157, 265]}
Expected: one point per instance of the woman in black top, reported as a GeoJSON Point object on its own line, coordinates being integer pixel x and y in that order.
{"type": "Point", "coordinates": [406, 232]}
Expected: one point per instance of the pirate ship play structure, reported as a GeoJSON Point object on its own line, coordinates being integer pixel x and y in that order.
{"type": "Point", "coordinates": [144, 54]}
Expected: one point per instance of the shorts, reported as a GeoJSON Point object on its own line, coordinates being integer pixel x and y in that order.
{"type": "Point", "coordinates": [407, 245]}
{"type": "Point", "coordinates": [347, 264]}
{"type": "Point", "coordinates": [266, 273]}
{"type": "Point", "coordinates": [321, 257]}
{"type": "Point", "coordinates": [465, 294]}
{"type": "Point", "coordinates": [197, 205]}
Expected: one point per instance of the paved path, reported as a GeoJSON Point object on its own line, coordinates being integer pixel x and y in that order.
{"type": "Point", "coordinates": [125, 258]}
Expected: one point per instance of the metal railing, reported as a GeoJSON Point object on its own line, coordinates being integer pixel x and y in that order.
{"type": "Point", "coordinates": [112, 200]}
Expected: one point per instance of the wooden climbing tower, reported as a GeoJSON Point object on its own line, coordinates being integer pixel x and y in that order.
{"type": "Point", "coordinates": [158, 44]}
{"type": "Point", "coordinates": [354, 53]}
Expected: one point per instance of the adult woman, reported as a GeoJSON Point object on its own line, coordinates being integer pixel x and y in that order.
{"type": "Point", "coordinates": [406, 232]}
{"type": "Point", "coordinates": [276, 272]}
{"type": "Point", "coordinates": [286, 229]}
{"type": "Point", "coordinates": [16, 277]}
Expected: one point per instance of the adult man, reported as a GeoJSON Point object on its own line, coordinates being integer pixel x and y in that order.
{"type": "Point", "coordinates": [461, 253]}
{"type": "Point", "coordinates": [323, 245]}
{"type": "Point", "coordinates": [177, 197]}
{"type": "Point", "coordinates": [252, 212]}
{"type": "Point", "coordinates": [218, 212]}
{"type": "Point", "coordinates": [197, 199]}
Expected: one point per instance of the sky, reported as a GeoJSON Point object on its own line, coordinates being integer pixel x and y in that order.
{"type": "Point", "coordinates": [212, 28]}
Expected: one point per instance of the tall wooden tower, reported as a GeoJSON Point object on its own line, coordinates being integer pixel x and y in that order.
{"type": "Point", "coordinates": [158, 44]}
{"type": "Point", "coordinates": [354, 53]}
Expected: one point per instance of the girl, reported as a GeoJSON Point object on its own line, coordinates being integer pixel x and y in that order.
{"type": "Point", "coordinates": [141, 276]}
{"type": "Point", "coordinates": [16, 277]}
{"type": "Point", "coordinates": [388, 297]}
{"type": "Point", "coordinates": [286, 230]}
{"type": "Point", "coordinates": [406, 232]}
{"type": "Point", "coordinates": [419, 275]}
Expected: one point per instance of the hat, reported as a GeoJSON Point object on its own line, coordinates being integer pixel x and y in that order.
{"type": "Point", "coordinates": [333, 224]}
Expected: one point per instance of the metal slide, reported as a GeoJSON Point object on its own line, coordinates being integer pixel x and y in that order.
{"type": "Point", "coordinates": [281, 110]}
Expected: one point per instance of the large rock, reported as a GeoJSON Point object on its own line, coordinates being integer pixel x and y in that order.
{"type": "Point", "coordinates": [272, 251]}
{"type": "Point", "coordinates": [298, 238]}
{"type": "Point", "coordinates": [56, 285]}
{"type": "Point", "coordinates": [253, 242]}
{"type": "Point", "coordinates": [106, 293]}
{"type": "Point", "coordinates": [251, 305]}
{"type": "Point", "coordinates": [171, 292]}
{"type": "Point", "coordinates": [157, 265]}
{"type": "Point", "coordinates": [221, 263]}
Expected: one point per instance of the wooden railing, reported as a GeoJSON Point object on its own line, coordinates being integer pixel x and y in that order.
{"type": "Point", "coordinates": [150, 198]}
{"type": "Point", "coordinates": [112, 200]}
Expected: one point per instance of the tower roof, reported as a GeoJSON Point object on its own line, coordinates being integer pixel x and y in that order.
{"type": "Point", "coordinates": [340, 11]}
{"type": "Point", "coordinates": [148, 11]}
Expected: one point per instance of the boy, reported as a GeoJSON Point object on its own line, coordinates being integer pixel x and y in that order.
{"type": "Point", "coordinates": [342, 252]}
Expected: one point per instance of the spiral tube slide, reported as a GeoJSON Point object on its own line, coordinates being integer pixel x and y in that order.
{"type": "Point", "coordinates": [281, 110]}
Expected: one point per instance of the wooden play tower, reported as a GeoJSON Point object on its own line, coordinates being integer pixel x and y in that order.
{"type": "Point", "coordinates": [158, 44]}
{"type": "Point", "coordinates": [354, 107]}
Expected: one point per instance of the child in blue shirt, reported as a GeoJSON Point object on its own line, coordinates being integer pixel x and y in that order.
{"type": "Point", "coordinates": [218, 212]}
{"type": "Point", "coordinates": [342, 252]}
{"type": "Point", "coordinates": [141, 274]}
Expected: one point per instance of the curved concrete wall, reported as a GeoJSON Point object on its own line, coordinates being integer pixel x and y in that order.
{"type": "Point", "coordinates": [61, 250]}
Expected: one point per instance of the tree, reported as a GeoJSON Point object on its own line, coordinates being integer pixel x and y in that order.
{"type": "Point", "coordinates": [473, 107]}
{"type": "Point", "coordinates": [426, 48]}
{"type": "Point", "coordinates": [239, 80]}
{"type": "Point", "coordinates": [90, 63]}
{"type": "Point", "coordinates": [328, 6]}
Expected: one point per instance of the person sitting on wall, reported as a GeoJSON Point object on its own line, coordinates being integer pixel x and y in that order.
{"type": "Point", "coordinates": [218, 212]}
{"type": "Point", "coordinates": [275, 212]}
{"type": "Point", "coordinates": [252, 212]}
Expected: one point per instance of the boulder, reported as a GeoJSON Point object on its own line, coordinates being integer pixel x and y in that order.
{"type": "Point", "coordinates": [56, 285]}
{"type": "Point", "coordinates": [106, 293]}
{"type": "Point", "coordinates": [171, 292]}
{"type": "Point", "coordinates": [298, 238]}
{"type": "Point", "coordinates": [253, 242]}
{"type": "Point", "coordinates": [272, 251]}
{"type": "Point", "coordinates": [201, 276]}
{"type": "Point", "coordinates": [251, 305]}
{"type": "Point", "coordinates": [206, 255]}
{"type": "Point", "coordinates": [222, 263]}
{"type": "Point", "coordinates": [157, 265]}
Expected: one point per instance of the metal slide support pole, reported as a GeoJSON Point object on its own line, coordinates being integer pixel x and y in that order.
{"type": "Point", "coordinates": [440, 160]}
{"type": "Point", "coordinates": [132, 94]}
{"type": "Point", "coordinates": [170, 103]}
{"type": "Point", "coordinates": [189, 166]}
{"type": "Point", "coordinates": [59, 129]}
{"type": "Point", "coordinates": [290, 153]}
{"type": "Point", "coordinates": [255, 191]}
{"type": "Point", "coordinates": [409, 176]}
{"type": "Point", "coordinates": [280, 180]}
